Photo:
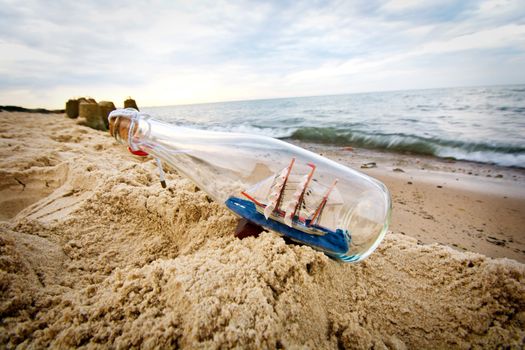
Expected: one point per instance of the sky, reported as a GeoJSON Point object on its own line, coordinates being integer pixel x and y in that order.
{"type": "Point", "coordinates": [179, 52]}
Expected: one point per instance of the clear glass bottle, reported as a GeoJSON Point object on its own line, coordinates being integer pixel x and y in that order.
{"type": "Point", "coordinates": [299, 194]}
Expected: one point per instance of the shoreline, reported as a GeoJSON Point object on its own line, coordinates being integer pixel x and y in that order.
{"type": "Point", "coordinates": [466, 205]}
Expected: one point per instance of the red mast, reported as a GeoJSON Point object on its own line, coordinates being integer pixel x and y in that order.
{"type": "Point", "coordinates": [320, 208]}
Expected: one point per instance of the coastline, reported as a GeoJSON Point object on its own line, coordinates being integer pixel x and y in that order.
{"type": "Point", "coordinates": [94, 252]}
{"type": "Point", "coordinates": [467, 206]}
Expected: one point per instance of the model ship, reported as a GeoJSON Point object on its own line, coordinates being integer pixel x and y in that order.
{"type": "Point", "coordinates": [296, 206]}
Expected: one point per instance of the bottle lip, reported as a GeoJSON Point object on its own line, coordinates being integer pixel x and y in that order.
{"type": "Point", "coordinates": [123, 125]}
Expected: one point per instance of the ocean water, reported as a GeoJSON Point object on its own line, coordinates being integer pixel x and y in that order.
{"type": "Point", "coordinates": [481, 124]}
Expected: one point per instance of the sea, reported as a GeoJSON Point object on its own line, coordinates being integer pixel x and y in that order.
{"type": "Point", "coordinates": [480, 124]}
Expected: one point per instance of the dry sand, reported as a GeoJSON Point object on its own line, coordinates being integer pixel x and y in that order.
{"type": "Point", "coordinates": [94, 253]}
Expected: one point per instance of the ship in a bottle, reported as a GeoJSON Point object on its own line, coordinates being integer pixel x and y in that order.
{"type": "Point", "coordinates": [297, 206]}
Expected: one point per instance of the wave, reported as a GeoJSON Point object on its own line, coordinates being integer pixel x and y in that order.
{"type": "Point", "coordinates": [500, 154]}
{"type": "Point", "coordinates": [517, 110]}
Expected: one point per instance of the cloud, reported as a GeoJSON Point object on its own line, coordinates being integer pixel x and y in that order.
{"type": "Point", "coordinates": [166, 52]}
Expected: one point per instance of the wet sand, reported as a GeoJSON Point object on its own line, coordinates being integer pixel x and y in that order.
{"type": "Point", "coordinates": [95, 254]}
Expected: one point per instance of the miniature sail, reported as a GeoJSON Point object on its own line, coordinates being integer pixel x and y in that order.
{"type": "Point", "coordinates": [275, 192]}
{"type": "Point", "coordinates": [287, 193]}
{"type": "Point", "coordinates": [293, 203]}
{"type": "Point", "coordinates": [261, 190]}
{"type": "Point", "coordinates": [312, 198]}
{"type": "Point", "coordinates": [329, 211]}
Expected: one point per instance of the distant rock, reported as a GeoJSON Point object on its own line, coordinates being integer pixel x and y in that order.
{"type": "Point", "coordinates": [106, 107]}
{"type": "Point", "coordinates": [91, 112]}
{"type": "Point", "coordinates": [72, 108]}
{"type": "Point", "coordinates": [130, 103]}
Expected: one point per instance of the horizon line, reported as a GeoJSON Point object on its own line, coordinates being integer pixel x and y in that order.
{"type": "Point", "coordinates": [288, 97]}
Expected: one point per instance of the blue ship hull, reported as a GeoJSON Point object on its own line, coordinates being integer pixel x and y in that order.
{"type": "Point", "coordinates": [333, 242]}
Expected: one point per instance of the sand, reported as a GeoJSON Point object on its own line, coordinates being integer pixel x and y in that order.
{"type": "Point", "coordinates": [95, 254]}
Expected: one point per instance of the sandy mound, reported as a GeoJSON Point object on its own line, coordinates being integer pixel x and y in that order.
{"type": "Point", "coordinates": [95, 253]}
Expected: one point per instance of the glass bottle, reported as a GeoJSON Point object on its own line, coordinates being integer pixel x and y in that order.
{"type": "Point", "coordinates": [284, 188]}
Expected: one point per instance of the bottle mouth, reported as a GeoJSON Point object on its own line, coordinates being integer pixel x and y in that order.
{"type": "Point", "coordinates": [119, 125]}
{"type": "Point", "coordinates": [128, 126]}
{"type": "Point", "coordinates": [122, 124]}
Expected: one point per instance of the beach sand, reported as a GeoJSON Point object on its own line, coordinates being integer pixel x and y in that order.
{"type": "Point", "coordinates": [94, 253]}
